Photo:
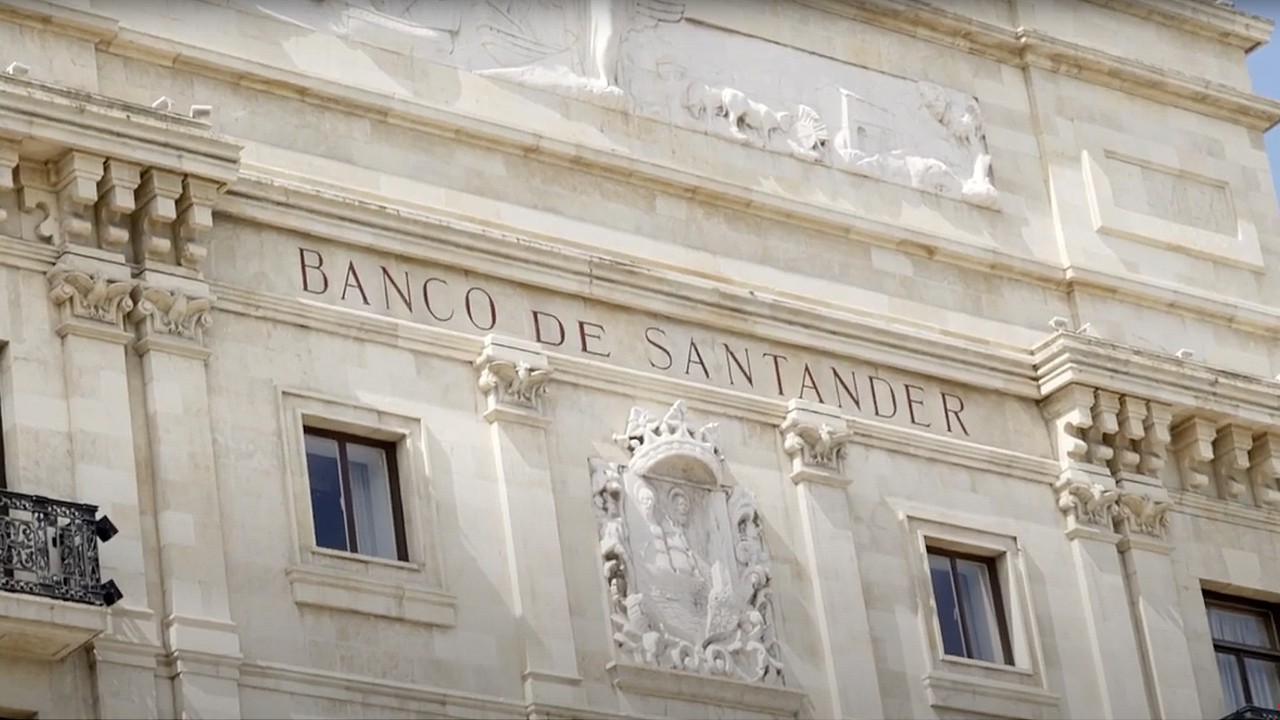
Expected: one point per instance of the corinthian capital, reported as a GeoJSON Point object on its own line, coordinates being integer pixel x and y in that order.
{"type": "Point", "coordinates": [513, 376]}
{"type": "Point", "coordinates": [91, 296]}
{"type": "Point", "coordinates": [171, 312]}
{"type": "Point", "coordinates": [815, 440]}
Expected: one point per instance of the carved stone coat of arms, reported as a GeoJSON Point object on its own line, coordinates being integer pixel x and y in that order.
{"type": "Point", "coordinates": [683, 555]}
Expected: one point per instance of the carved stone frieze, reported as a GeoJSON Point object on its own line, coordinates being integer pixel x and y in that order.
{"type": "Point", "coordinates": [816, 445]}
{"type": "Point", "coordinates": [651, 59]}
{"type": "Point", "coordinates": [91, 296]}
{"type": "Point", "coordinates": [172, 312]}
{"type": "Point", "coordinates": [688, 575]}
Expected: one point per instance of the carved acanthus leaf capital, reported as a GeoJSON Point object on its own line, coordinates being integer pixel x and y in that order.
{"type": "Point", "coordinates": [1091, 503]}
{"type": "Point", "coordinates": [91, 296]}
{"type": "Point", "coordinates": [516, 383]}
{"type": "Point", "coordinates": [815, 445]}
{"type": "Point", "coordinates": [1144, 515]}
{"type": "Point", "coordinates": [172, 312]}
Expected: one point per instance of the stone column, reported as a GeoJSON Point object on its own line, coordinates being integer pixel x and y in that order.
{"type": "Point", "coordinates": [171, 313]}
{"type": "Point", "coordinates": [513, 377]}
{"type": "Point", "coordinates": [815, 436]}
{"type": "Point", "coordinates": [92, 296]}
{"type": "Point", "coordinates": [1080, 419]}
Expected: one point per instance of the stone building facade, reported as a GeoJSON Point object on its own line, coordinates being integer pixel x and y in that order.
{"type": "Point", "coordinates": [643, 358]}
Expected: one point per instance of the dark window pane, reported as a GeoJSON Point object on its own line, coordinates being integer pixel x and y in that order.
{"type": "Point", "coordinates": [326, 493]}
{"type": "Point", "coordinates": [948, 611]}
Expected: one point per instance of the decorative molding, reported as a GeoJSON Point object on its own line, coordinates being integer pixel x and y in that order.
{"type": "Point", "coordinates": [171, 312]}
{"type": "Point", "coordinates": [975, 694]}
{"type": "Point", "coordinates": [815, 440]}
{"type": "Point", "coordinates": [91, 296]}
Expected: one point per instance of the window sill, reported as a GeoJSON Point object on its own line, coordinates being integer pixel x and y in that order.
{"type": "Point", "coordinates": [317, 587]}
{"type": "Point", "coordinates": [990, 697]}
{"type": "Point", "coordinates": [348, 558]}
{"type": "Point", "coordinates": [691, 687]}
{"type": "Point", "coordinates": [964, 662]}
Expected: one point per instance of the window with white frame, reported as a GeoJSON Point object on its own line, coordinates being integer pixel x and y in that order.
{"type": "Point", "coordinates": [355, 494]}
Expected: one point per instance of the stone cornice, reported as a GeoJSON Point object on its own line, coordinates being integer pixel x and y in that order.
{"type": "Point", "coordinates": [1197, 16]}
{"type": "Point", "coordinates": [1030, 47]}
{"type": "Point", "coordinates": [1069, 358]}
{"type": "Point", "coordinates": [111, 128]}
{"type": "Point", "coordinates": [1162, 85]}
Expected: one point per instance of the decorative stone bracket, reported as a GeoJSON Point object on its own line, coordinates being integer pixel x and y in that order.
{"type": "Point", "coordinates": [513, 376]}
{"type": "Point", "coordinates": [95, 172]}
{"type": "Point", "coordinates": [1110, 435]}
{"type": "Point", "coordinates": [815, 439]}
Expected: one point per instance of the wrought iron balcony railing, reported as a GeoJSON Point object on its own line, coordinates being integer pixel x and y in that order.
{"type": "Point", "coordinates": [50, 548]}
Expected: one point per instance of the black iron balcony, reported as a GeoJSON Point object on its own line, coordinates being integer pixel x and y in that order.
{"type": "Point", "coordinates": [49, 548]}
{"type": "Point", "coordinates": [1253, 712]}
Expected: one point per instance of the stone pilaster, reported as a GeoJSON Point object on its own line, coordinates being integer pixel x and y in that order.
{"type": "Point", "coordinates": [513, 376]}
{"type": "Point", "coordinates": [1146, 553]}
{"type": "Point", "coordinates": [170, 315]}
{"type": "Point", "coordinates": [814, 437]}
{"type": "Point", "coordinates": [1087, 495]}
{"type": "Point", "coordinates": [92, 298]}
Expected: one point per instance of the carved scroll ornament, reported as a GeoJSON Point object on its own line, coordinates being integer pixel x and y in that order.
{"type": "Point", "coordinates": [684, 558]}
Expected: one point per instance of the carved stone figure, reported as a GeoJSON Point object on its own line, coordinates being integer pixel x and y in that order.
{"type": "Point", "coordinates": [683, 555]}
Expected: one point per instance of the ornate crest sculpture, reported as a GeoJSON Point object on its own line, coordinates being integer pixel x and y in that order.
{"type": "Point", "coordinates": [683, 555]}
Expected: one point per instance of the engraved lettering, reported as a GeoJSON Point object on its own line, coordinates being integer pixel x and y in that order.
{"type": "Point", "coordinates": [777, 368]}
{"type": "Point", "coordinates": [389, 282]}
{"type": "Point", "coordinates": [913, 403]}
{"type": "Point", "coordinates": [538, 315]}
{"type": "Point", "coordinates": [875, 397]}
{"type": "Point", "coordinates": [426, 298]}
{"type": "Point", "coordinates": [694, 352]}
{"type": "Point", "coordinates": [731, 359]}
{"type": "Point", "coordinates": [949, 412]}
{"type": "Point", "coordinates": [649, 332]}
{"type": "Point", "coordinates": [353, 280]}
{"type": "Point", "coordinates": [808, 383]}
{"type": "Point", "coordinates": [304, 267]}
{"type": "Point", "coordinates": [584, 337]}
{"type": "Point", "coordinates": [488, 299]}
{"type": "Point", "coordinates": [850, 392]}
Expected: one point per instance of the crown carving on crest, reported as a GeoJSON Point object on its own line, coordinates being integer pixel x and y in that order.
{"type": "Point", "coordinates": [670, 445]}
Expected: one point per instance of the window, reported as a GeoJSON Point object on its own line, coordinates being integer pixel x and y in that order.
{"type": "Point", "coordinates": [971, 614]}
{"type": "Point", "coordinates": [1248, 651]}
{"type": "Point", "coordinates": [355, 494]}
